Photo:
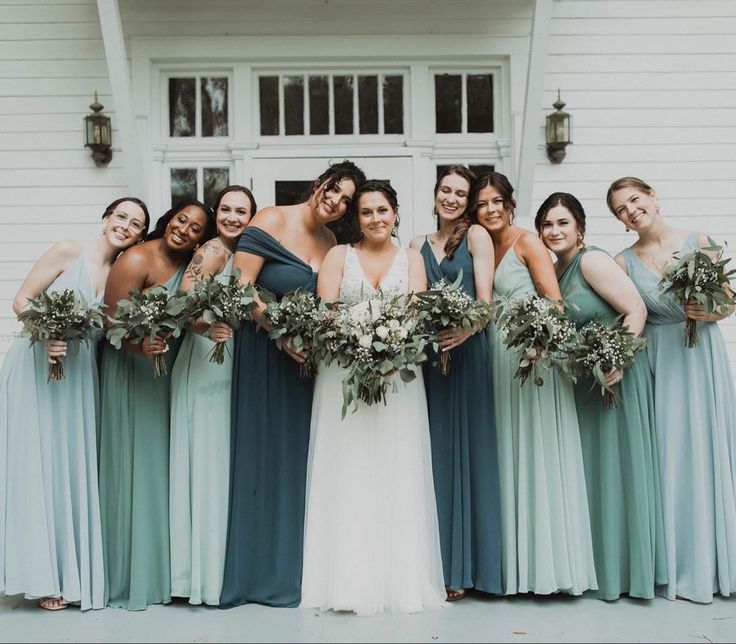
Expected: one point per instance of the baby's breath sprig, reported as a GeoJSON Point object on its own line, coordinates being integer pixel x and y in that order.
{"type": "Point", "coordinates": [540, 332]}
{"type": "Point", "coordinates": [61, 315]}
{"type": "Point", "coordinates": [699, 277]}
{"type": "Point", "coordinates": [147, 315]}
{"type": "Point", "coordinates": [603, 348]}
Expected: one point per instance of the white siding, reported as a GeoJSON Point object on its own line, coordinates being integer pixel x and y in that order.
{"type": "Point", "coordinates": [53, 62]}
{"type": "Point", "coordinates": [652, 90]}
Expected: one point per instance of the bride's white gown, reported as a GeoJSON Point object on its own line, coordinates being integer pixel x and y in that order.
{"type": "Point", "coordinates": [371, 540]}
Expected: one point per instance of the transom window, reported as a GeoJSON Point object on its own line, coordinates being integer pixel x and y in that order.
{"type": "Point", "coordinates": [463, 103]}
{"type": "Point", "coordinates": [328, 104]}
{"type": "Point", "coordinates": [198, 106]}
{"type": "Point", "coordinates": [198, 182]}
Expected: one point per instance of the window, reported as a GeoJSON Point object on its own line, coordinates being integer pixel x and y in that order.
{"type": "Point", "coordinates": [198, 106]}
{"type": "Point", "coordinates": [476, 169]}
{"type": "Point", "coordinates": [324, 104]}
{"type": "Point", "coordinates": [201, 183]}
{"type": "Point", "coordinates": [463, 103]}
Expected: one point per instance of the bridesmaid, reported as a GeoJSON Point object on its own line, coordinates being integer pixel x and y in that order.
{"type": "Point", "coordinates": [281, 251]}
{"type": "Point", "coordinates": [51, 541]}
{"type": "Point", "coordinates": [694, 406]}
{"type": "Point", "coordinates": [618, 444]}
{"type": "Point", "coordinates": [134, 440]}
{"type": "Point", "coordinates": [547, 544]}
{"type": "Point", "coordinates": [200, 422]}
{"type": "Point", "coordinates": [461, 416]}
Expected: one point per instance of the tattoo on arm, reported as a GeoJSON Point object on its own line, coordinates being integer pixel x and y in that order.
{"type": "Point", "coordinates": [194, 270]}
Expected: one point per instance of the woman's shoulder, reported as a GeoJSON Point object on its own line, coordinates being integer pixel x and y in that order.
{"type": "Point", "coordinates": [418, 242]}
{"type": "Point", "coordinates": [66, 250]}
{"type": "Point", "coordinates": [270, 219]}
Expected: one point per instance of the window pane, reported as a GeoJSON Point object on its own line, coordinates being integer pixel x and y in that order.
{"type": "Point", "coordinates": [393, 105]}
{"type": "Point", "coordinates": [480, 102]}
{"type": "Point", "coordinates": [447, 103]}
{"type": "Point", "coordinates": [293, 104]}
{"type": "Point", "coordinates": [368, 104]}
{"type": "Point", "coordinates": [268, 98]}
{"type": "Point", "coordinates": [183, 184]}
{"type": "Point", "coordinates": [182, 109]}
{"type": "Point", "coordinates": [289, 193]}
{"type": "Point", "coordinates": [319, 99]}
{"type": "Point", "coordinates": [214, 106]}
{"type": "Point", "coordinates": [343, 96]}
{"type": "Point", "coordinates": [215, 179]}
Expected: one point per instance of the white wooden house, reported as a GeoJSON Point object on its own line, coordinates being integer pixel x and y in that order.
{"type": "Point", "coordinates": [265, 92]}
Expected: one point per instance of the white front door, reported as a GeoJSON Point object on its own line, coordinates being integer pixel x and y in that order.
{"type": "Point", "coordinates": [287, 180]}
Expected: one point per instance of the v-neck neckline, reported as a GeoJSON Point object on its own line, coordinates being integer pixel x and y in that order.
{"type": "Point", "coordinates": [657, 274]}
{"type": "Point", "coordinates": [385, 277]}
{"type": "Point", "coordinates": [431, 250]}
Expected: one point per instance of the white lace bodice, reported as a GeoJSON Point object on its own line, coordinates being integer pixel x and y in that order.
{"type": "Point", "coordinates": [355, 288]}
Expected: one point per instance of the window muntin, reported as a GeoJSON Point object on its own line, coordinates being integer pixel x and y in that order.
{"type": "Point", "coordinates": [463, 103]}
{"type": "Point", "coordinates": [198, 106]}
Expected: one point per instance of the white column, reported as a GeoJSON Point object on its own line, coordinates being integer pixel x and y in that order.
{"type": "Point", "coordinates": [531, 122]}
{"type": "Point", "coordinates": [117, 69]}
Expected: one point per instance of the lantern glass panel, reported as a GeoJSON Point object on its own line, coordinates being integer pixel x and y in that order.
{"type": "Point", "coordinates": [105, 134]}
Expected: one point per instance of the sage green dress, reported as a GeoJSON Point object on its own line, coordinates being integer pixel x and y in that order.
{"type": "Point", "coordinates": [200, 467]}
{"type": "Point", "coordinates": [134, 476]}
{"type": "Point", "coordinates": [620, 459]}
{"type": "Point", "coordinates": [546, 540]}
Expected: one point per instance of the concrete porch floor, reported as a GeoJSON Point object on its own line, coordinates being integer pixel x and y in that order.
{"type": "Point", "coordinates": [475, 619]}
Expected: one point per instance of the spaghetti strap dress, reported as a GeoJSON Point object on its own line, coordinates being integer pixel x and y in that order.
{"type": "Point", "coordinates": [547, 544]}
{"type": "Point", "coordinates": [199, 471]}
{"type": "Point", "coordinates": [620, 459]}
{"type": "Point", "coordinates": [464, 451]}
{"type": "Point", "coordinates": [695, 414]}
{"type": "Point", "coordinates": [270, 417]}
{"type": "Point", "coordinates": [134, 475]}
{"type": "Point", "coordinates": [50, 532]}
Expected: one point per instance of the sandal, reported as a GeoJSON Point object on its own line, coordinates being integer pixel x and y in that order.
{"type": "Point", "coordinates": [455, 595]}
{"type": "Point", "coordinates": [53, 603]}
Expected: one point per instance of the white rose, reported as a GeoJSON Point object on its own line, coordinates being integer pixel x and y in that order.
{"type": "Point", "coordinates": [403, 333]}
{"type": "Point", "coordinates": [394, 324]}
{"type": "Point", "coordinates": [359, 312]}
{"type": "Point", "coordinates": [382, 332]}
{"type": "Point", "coordinates": [366, 341]}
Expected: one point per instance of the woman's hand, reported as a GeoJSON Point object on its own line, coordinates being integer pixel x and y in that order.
{"type": "Point", "coordinates": [299, 356]}
{"type": "Point", "coordinates": [695, 311]}
{"type": "Point", "coordinates": [454, 337]}
{"type": "Point", "coordinates": [55, 349]}
{"type": "Point", "coordinates": [220, 332]}
{"type": "Point", "coordinates": [152, 349]}
{"type": "Point", "coordinates": [612, 377]}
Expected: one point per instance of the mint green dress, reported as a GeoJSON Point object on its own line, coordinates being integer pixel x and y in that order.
{"type": "Point", "coordinates": [547, 545]}
{"type": "Point", "coordinates": [620, 459]}
{"type": "Point", "coordinates": [200, 467]}
{"type": "Point", "coordinates": [695, 412]}
{"type": "Point", "coordinates": [134, 475]}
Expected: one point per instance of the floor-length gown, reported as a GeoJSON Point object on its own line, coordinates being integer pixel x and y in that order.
{"type": "Point", "coordinates": [695, 413]}
{"type": "Point", "coordinates": [464, 450]}
{"type": "Point", "coordinates": [134, 475]}
{"type": "Point", "coordinates": [199, 466]}
{"type": "Point", "coordinates": [50, 533]}
{"type": "Point", "coordinates": [271, 408]}
{"type": "Point", "coordinates": [547, 545]}
{"type": "Point", "coordinates": [371, 541]}
{"type": "Point", "coordinates": [620, 459]}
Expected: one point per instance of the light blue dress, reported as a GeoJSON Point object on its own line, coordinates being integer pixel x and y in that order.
{"type": "Point", "coordinates": [199, 467]}
{"type": "Point", "coordinates": [695, 412]}
{"type": "Point", "coordinates": [50, 534]}
{"type": "Point", "coordinates": [547, 543]}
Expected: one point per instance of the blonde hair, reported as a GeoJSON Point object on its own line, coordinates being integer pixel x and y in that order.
{"type": "Point", "coordinates": [626, 182]}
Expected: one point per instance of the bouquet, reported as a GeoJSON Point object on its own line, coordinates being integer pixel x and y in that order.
{"type": "Point", "coordinates": [543, 334]}
{"type": "Point", "coordinates": [602, 349]}
{"type": "Point", "coordinates": [699, 277]}
{"type": "Point", "coordinates": [221, 300]}
{"type": "Point", "coordinates": [373, 340]}
{"type": "Point", "coordinates": [296, 317]}
{"type": "Point", "coordinates": [147, 315]}
{"type": "Point", "coordinates": [447, 306]}
{"type": "Point", "coordinates": [60, 315]}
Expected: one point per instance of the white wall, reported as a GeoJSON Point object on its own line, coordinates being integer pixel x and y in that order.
{"type": "Point", "coordinates": [53, 60]}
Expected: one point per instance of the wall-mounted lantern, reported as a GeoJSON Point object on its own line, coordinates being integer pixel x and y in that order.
{"type": "Point", "coordinates": [559, 131]}
{"type": "Point", "coordinates": [98, 134]}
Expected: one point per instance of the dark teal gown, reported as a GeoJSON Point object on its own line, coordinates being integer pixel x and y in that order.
{"type": "Point", "coordinates": [271, 411]}
{"type": "Point", "coordinates": [464, 449]}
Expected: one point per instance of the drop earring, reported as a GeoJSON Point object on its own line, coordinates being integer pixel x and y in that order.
{"type": "Point", "coordinates": [627, 229]}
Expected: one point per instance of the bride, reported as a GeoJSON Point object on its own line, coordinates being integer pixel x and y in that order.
{"type": "Point", "coordinates": [371, 540]}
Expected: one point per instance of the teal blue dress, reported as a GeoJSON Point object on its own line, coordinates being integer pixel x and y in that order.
{"type": "Point", "coordinates": [271, 411]}
{"type": "Point", "coordinates": [464, 451]}
{"type": "Point", "coordinates": [134, 475]}
{"type": "Point", "coordinates": [620, 460]}
{"type": "Point", "coordinates": [50, 532]}
{"type": "Point", "coordinates": [695, 413]}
